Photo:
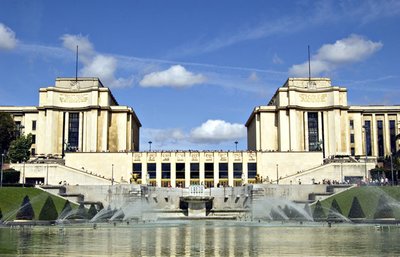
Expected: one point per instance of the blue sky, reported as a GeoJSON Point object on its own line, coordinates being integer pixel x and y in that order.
{"type": "Point", "coordinates": [194, 70]}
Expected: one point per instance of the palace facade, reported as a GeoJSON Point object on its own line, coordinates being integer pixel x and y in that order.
{"type": "Point", "coordinates": [307, 132]}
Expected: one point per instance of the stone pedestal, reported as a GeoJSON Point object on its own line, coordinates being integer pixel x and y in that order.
{"type": "Point", "coordinates": [197, 205]}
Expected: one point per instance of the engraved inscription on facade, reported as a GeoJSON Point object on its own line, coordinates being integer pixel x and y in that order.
{"type": "Point", "coordinates": [252, 156]}
{"type": "Point", "coordinates": [237, 157]}
{"type": "Point", "coordinates": [73, 98]}
{"type": "Point", "coordinates": [195, 157]}
{"type": "Point", "coordinates": [180, 157]}
{"type": "Point", "coordinates": [151, 157]}
{"type": "Point", "coordinates": [166, 156]}
{"type": "Point", "coordinates": [137, 156]}
{"type": "Point", "coordinates": [312, 98]}
{"type": "Point", "coordinates": [223, 157]}
{"type": "Point", "coordinates": [208, 157]}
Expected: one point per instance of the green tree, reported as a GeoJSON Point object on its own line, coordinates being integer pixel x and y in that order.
{"type": "Point", "coordinates": [49, 210]}
{"type": "Point", "coordinates": [334, 212]}
{"type": "Point", "coordinates": [92, 211]}
{"type": "Point", "coordinates": [7, 131]}
{"type": "Point", "coordinates": [383, 209]}
{"type": "Point", "coordinates": [11, 176]}
{"type": "Point", "coordinates": [19, 148]}
{"type": "Point", "coordinates": [318, 213]}
{"type": "Point", "coordinates": [307, 209]}
{"type": "Point", "coordinates": [25, 212]}
{"type": "Point", "coordinates": [356, 211]}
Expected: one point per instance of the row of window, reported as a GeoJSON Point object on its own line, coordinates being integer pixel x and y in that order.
{"type": "Point", "coordinates": [379, 134]}
{"type": "Point", "coordinates": [195, 171]}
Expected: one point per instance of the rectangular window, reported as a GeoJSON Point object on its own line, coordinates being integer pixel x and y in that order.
{"type": "Point", "coordinates": [18, 129]}
{"type": "Point", "coordinates": [208, 170]}
{"type": "Point", "coordinates": [313, 142]}
{"type": "Point", "coordinates": [380, 138]}
{"type": "Point", "coordinates": [367, 128]}
{"type": "Point", "coordinates": [194, 171]}
{"type": "Point", "coordinates": [392, 131]}
{"type": "Point", "coordinates": [223, 170]}
{"type": "Point", "coordinates": [351, 124]}
{"type": "Point", "coordinates": [151, 170]}
{"type": "Point", "coordinates": [352, 151]}
{"type": "Point", "coordinates": [33, 151]}
{"type": "Point", "coordinates": [73, 131]}
{"type": "Point", "coordinates": [33, 139]}
{"type": "Point", "coordinates": [180, 171]}
{"type": "Point", "coordinates": [34, 125]}
{"type": "Point", "coordinates": [237, 170]}
{"type": "Point", "coordinates": [165, 170]}
{"type": "Point", "coordinates": [351, 138]}
{"type": "Point", "coordinates": [252, 170]}
{"type": "Point", "coordinates": [137, 170]}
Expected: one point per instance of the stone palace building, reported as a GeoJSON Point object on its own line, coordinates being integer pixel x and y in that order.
{"type": "Point", "coordinates": [307, 132]}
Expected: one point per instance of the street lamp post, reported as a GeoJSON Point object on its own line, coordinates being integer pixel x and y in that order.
{"type": "Point", "coordinates": [23, 176]}
{"type": "Point", "coordinates": [112, 174]}
{"type": "Point", "coordinates": [150, 146]}
{"type": "Point", "coordinates": [391, 167]}
{"type": "Point", "coordinates": [277, 174]}
{"type": "Point", "coordinates": [341, 170]}
{"type": "Point", "coordinates": [236, 142]}
{"type": "Point", "coordinates": [243, 178]}
{"type": "Point", "coordinates": [366, 154]}
{"type": "Point", "coordinates": [1, 167]}
{"type": "Point", "coordinates": [148, 178]}
{"type": "Point", "coordinates": [47, 174]}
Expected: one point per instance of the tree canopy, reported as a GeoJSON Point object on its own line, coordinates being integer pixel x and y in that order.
{"type": "Point", "coordinates": [19, 150]}
{"type": "Point", "coordinates": [7, 131]}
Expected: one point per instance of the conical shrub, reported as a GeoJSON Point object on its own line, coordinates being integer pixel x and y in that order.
{"type": "Point", "coordinates": [26, 211]}
{"type": "Point", "coordinates": [1, 214]}
{"type": "Point", "coordinates": [335, 212]}
{"type": "Point", "coordinates": [356, 212]}
{"type": "Point", "coordinates": [319, 213]}
{"type": "Point", "coordinates": [383, 209]}
{"type": "Point", "coordinates": [49, 210]}
{"type": "Point", "coordinates": [92, 211]}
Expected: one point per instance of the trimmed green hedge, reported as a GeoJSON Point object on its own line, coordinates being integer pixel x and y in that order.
{"type": "Point", "coordinates": [12, 197]}
{"type": "Point", "coordinates": [367, 198]}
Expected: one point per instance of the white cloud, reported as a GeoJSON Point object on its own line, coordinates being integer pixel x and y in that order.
{"type": "Point", "coordinates": [175, 76]}
{"type": "Point", "coordinates": [276, 59]}
{"type": "Point", "coordinates": [253, 77]}
{"type": "Point", "coordinates": [8, 40]}
{"type": "Point", "coordinates": [95, 64]}
{"type": "Point", "coordinates": [211, 132]}
{"type": "Point", "coordinates": [71, 41]}
{"type": "Point", "coordinates": [217, 131]}
{"type": "Point", "coordinates": [329, 57]}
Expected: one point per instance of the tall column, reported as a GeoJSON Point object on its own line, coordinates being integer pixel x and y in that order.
{"type": "Point", "coordinates": [283, 131]}
{"type": "Point", "coordinates": [187, 169]}
{"type": "Point", "coordinates": [293, 144]}
{"type": "Point", "coordinates": [201, 168]}
{"type": "Point", "coordinates": [216, 169]}
{"type": "Point", "coordinates": [49, 132]}
{"type": "Point", "coordinates": [158, 169]}
{"type": "Point", "coordinates": [173, 171]}
{"type": "Point", "coordinates": [374, 136]}
{"type": "Point", "coordinates": [306, 131]}
{"type": "Point", "coordinates": [80, 133]}
{"type": "Point", "coordinates": [93, 130]}
{"type": "Point", "coordinates": [386, 134]}
{"type": "Point", "coordinates": [230, 168]}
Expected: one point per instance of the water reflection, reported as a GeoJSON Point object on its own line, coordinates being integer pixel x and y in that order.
{"type": "Point", "coordinates": [201, 238]}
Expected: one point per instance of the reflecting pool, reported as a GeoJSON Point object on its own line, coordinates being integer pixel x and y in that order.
{"type": "Point", "coordinates": [201, 238]}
